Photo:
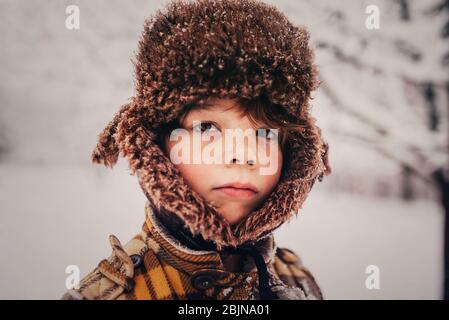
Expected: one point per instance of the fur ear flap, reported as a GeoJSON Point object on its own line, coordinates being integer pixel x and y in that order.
{"type": "Point", "coordinates": [106, 151]}
{"type": "Point", "coordinates": [325, 158]}
{"type": "Point", "coordinates": [328, 170]}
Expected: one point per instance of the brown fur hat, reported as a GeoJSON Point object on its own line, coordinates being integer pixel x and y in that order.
{"type": "Point", "coordinates": [192, 51]}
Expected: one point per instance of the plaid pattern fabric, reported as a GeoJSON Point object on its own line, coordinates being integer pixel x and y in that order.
{"type": "Point", "coordinates": [153, 266]}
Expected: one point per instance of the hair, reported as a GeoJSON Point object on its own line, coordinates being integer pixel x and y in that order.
{"type": "Point", "coordinates": [259, 111]}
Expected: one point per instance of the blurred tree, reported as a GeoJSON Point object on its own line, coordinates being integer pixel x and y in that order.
{"type": "Point", "coordinates": [441, 175]}
{"type": "Point", "coordinates": [391, 89]}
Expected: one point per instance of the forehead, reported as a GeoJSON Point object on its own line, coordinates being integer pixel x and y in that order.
{"type": "Point", "coordinates": [216, 108]}
{"type": "Point", "coordinates": [218, 105]}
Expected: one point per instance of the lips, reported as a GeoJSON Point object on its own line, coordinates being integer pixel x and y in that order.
{"type": "Point", "coordinates": [238, 189]}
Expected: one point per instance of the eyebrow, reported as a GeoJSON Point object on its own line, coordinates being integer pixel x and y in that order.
{"type": "Point", "coordinates": [207, 105]}
{"type": "Point", "coordinates": [203, 106]}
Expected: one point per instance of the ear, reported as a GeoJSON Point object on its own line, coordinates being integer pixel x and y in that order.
{"type": "Point", "coordinates": [106, 151]}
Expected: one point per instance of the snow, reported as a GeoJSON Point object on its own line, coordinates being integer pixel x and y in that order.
{"type": "Point", "coordinates": [337, 235]}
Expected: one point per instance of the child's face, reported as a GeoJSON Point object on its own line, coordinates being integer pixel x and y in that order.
{"type": "Point", "coordinates": [206, 179]}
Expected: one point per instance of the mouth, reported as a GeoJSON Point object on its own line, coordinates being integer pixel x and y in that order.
{"type": "Point", "coordinates": [238, 190]}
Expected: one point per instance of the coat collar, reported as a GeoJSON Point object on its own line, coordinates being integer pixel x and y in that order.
{"type": "Point", "coordinates": [164, 243]}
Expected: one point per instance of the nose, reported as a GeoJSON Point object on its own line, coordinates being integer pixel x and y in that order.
{"type": "Point", "coordinates": [243, 154]}
{"type": "Point", "coordinates": [249, 162]}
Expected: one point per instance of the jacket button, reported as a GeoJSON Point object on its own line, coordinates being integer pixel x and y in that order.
{"type": "Point", "coordinates": [137, 260]}
{"type": "Point", "coordinates": [203, 282]}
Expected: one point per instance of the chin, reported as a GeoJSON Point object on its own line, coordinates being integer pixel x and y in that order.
{"type": "Point", "coordinates": [234, 219]}
{"type": "Point", "coordinates": [232, 213]}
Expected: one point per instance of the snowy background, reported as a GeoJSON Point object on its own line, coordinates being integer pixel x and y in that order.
{"type": "Point", "coordinates": [382, 106]}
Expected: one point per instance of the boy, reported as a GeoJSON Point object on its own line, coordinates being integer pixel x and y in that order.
{"type": "Point", "coordinates": [204, 69]}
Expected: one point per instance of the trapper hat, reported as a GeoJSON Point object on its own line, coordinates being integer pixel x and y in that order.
{"type": "Point", "coordinates": [191, 51]}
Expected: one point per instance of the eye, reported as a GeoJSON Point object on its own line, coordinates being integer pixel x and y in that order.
{"type": "Point", "coordinates": [205, 126]}
{"type": "Point", "coordinates": [267, 134]}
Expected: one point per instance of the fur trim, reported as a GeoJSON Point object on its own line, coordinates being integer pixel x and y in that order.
{"type": "Point", "coordinates": [190, 52]}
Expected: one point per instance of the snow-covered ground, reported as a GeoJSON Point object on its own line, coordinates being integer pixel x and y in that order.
{"type": "Point", "coordinates": [339, 235]}
{"type": "Point", "coordinates": [52, 217]}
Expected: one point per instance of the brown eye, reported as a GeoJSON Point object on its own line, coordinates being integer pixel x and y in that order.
{"type": "Point", "coordinates": [205, 126]}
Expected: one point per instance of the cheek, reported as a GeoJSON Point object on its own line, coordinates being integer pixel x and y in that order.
{"type": "Point", "coordinates": [198, 177]}
{"type": "Point", "coordinates": [269, 181]}
{"type": "Point", "coordinates": [276, 159]}
{"type": "Point", "coordinates": [271, 162]}
{"type": "Point", "coordinates": [191, 171]}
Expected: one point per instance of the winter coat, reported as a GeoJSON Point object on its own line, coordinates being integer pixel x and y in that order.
{"type": "Point", "coordinates": [155, 266]}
